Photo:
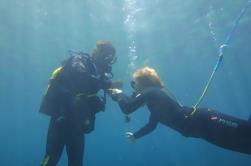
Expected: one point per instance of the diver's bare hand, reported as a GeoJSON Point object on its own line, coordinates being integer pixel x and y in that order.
{"type": "Point", "coordinates": [115, 93]}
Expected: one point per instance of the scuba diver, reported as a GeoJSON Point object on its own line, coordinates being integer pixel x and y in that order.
{"type": "Point", "coordinates": [217, 128]}
{"type": "Point", "coordinates": [71, 101]}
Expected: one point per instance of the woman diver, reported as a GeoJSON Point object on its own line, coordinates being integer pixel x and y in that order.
{"type": "Point", "coordinates": [217, 128]}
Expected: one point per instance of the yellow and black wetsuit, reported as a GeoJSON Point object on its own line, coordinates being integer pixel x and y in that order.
{"type": "Point", "coordinates": [72, 103]}
{"type": "Point", "coordinates": [222, 130]}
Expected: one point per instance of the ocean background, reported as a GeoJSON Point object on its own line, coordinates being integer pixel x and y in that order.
{"type": "Point", "coordinates": [179, 38]}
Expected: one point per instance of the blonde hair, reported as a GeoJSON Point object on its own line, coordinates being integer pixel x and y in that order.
{"type": "Point", "coordinates": [147, 77]}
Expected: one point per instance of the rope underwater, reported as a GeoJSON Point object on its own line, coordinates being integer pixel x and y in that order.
{"type": "Point", "coordinates": [222, 50]}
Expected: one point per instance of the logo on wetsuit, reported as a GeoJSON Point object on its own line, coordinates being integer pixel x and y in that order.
{"type": "Point", "coordinates": [225, 122]}
{"type": "Point", "coordinates": [228, 123]}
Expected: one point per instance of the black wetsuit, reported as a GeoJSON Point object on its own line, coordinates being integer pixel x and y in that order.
{"type": "Point", "coordinates": [71, 102]}
{"type": "Point", "coordinates": [217, 128]}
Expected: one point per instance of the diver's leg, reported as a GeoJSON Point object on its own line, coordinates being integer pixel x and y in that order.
{"type": "Point", "coordinates": [55, 144]}
{"type": "Point", "coordinates": [75, 148]}
{"type": "Point", "coordinates": [226, 131]}
{"type": "Point", "coordinates": [235, 133]}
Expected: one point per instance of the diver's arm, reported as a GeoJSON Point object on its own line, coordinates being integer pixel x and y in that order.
{"type": "Point", "coordinates": [148, 128]}
{"type": "Point", "coordinates": [130, 104]}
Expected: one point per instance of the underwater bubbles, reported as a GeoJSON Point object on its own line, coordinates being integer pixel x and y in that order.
{"type": "Point", "coordinates": [131, 8]}
{"type": "Point", "coordinates": [211, 26]}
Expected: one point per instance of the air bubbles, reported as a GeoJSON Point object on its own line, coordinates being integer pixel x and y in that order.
{"type": "Point", "coordinates": [210, 23]}
{"type": "Point", "coordinates": [131, 8]}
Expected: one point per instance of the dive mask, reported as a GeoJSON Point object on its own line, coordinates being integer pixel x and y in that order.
{"type": "Point", "coordinates": [110, 59]}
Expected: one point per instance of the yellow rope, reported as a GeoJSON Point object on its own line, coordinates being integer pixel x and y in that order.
{"type": "Point", "coordinates": [46, 160]}
{"type": "Point", "coordinates": [204, 92]}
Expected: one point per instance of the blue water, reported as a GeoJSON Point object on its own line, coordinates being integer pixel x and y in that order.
{"type": "Point", "coordinates": [178, 38]}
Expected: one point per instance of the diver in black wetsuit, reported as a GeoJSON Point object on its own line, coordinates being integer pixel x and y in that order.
{"type": "Point", "coordinates": [222, 130]}
{"type": "Point", "coordinates": [71, 101]}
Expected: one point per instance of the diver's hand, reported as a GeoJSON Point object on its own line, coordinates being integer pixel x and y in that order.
{"type": "Point", "coordinates": [115, 93]}
{"type": "Point", "coordinates": [130, 137]}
